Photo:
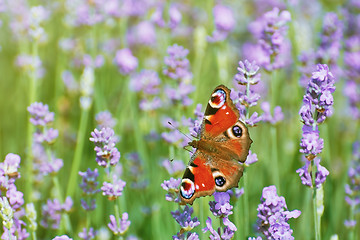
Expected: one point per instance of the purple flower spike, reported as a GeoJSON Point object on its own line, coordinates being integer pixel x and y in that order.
{"type": "Point", "coordinates": [273, 215]}
{"type": "Point", "coordinates": [106, 152]}
{"type": "Point", "coordinates": [177, 65]}
{"type": "Point", "coordinates": [248, 73]}
{"type": "Point", "coordinates": [352, 188]}
{"type": "Point", "coordinates": [270, 31]}
{"type": "Point", "coordinates": [305, 173]}
{"type": "Point", "coordinates": [183, 218]}
{"type": "Point", "coordinates": [311, 143]}
{"type": "Point", "coordinates": [113, 190]}
{"type": "Point", "coordinates": [251, 158]}
{"type": "Point", "coordinates": [40, 115]}
{"type": "Point", "coordinates": [105, 120]}
{"type": "Point", "coordinates": [10, 166]}
{"type": "Point", "coordinates": [172, 187]}
{"type": "Point", "coordinates": [48, 136]}
{"type": "Point", "coordinates": [87, 235]}
{"type": "Point", "coordinates": [125, 61]}
{"type": "Point", "coordinates": [89, 183]}
{"type": "Point", "coordinates": [224, 23]}
{"type": "Point", "coordinates": [174, 15]}
{"type": "Point", "coordinates": [119, 227]}
{"type": "Point", "coordinates": [214, 234]}
{"type": "Point", "coordinates": [266, 117]}
{"type": "Point", "coordinates": [221, 206]}
{"type": "Point", "coordinates": [52, 212]}
{"type": "Point", "coordinates": [142, 34]}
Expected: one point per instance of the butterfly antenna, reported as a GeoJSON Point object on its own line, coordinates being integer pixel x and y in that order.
{"type": "Point", "coordinates": [177, 129]}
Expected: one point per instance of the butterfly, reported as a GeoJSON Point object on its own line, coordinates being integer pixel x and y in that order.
{"type": "Point", "coordinates": [220, 151]}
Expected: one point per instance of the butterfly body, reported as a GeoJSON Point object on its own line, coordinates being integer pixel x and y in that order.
{"type": "Point", "coordinates": [222, 148]}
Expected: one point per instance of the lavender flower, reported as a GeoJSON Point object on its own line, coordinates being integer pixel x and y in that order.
{"type": "Point", "coordinates": [352, 72]}
{"type": "Point", "coordinates": [317, 107]}
{"type": "Point", "coordinates": [9, 169]}
{"type": "Point", "coordinates": [105, 120]}
{"type": "Point", "coordinates": [70, 83]}
{"type": "Point", "coordinates": [82, 13]}
{"type": "Point", "coordinates": [221, 208]}
{"type": "Point", "coordinates": [16, 198]}
{"type": "Point", "coordinates": [266, 117]}
{"type": "Point", "coordinates": [305, 173]}
{"type": "Point", "coordinates": [125, 61]}
{"type": "Point", "coordinates": [46, 136]}
{"type": "Point", "coordinates": [142, 34]}
{"type": "Point", "coordinates": [87, 235]}
{"type": "Point", "coordinates": [273, 215]}
{"type": "Point", "coordinates": [106, 152]}
{"type": "Point", "coordinates": [174, 16]}
{"type": "Point", "coordinates": [119, 227]}
{"type": "Point", "coordinates": [224, 23]}
{"type": "Point", "coordinates": [30, 64]}
{"type": "Point", "coordinates": [52, 211]}
{"type": "Point", "coordinates": [177, 65]}
{"type": "Point", "coordinates": [245, 97]}
{"type": "Point", "coordinates": [270, 31]}
{"type": "Point", "coordinates": [89, 181]}
{"type": "Point", "coordinates": [180, 93]}
{"type": "Point", "coordinates": [311, 144]}
{"type": "Point", "coordinates": [147, 84]}
{"type": "Point", "coordinates": [251, 158]}
{"type": "Point", "coordinates": [330, 44]}
{"type": "Point", "coordinates": [352, 188]}
{"type": "Point", "coordinates": [42, 164]}
{"type": "Point", "coordinates": [172, 187]}
{"type": "Point", "coordinates": [88, 61]}
{"type": "Point", "coordinates": [113, 189]}
{"type": "Point", "coordinates": [40, 114]}
{"type": "Point", "coordinates": [183, 218]}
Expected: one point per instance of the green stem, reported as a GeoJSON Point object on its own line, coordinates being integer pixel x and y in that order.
{"type": "Point", "coordinates": [317, 219]}
{"type": "Point", "coordinates": [117, 211]}
{"type": "Point", "coordinates": [222, 63]}
{"type": "Point", "coordinates": [246, 206]}
{"type": "Point", "coordinates": [351, 218]}
{"type": "Point", "coordinates": [30, 130]}
{"type": "Point", "coordinates": [275, 157]}
{"type": "Point", "coordinates": [273, 132]}
{"type": "Point", "coordinates": [33, 235]}
{"type": "Point", "coordinates": [78, 153]}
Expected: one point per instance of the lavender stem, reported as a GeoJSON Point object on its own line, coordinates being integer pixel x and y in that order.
{"type": "Point", "coordinates": [30, 129]}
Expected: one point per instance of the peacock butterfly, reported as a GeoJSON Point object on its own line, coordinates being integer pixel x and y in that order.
{"type": "Point", "coordinates": [220, 151]}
